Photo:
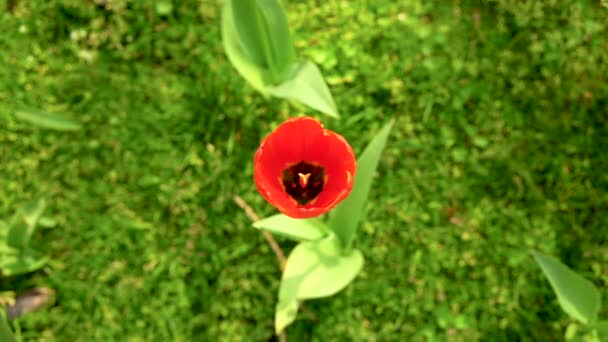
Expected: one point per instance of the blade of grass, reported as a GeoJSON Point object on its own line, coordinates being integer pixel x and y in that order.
{"type": "Point", "coordinates": [48, 120]}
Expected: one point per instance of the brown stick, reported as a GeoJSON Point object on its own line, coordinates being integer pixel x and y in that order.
{"type": "Point", "coordinates": [277, 251]}
{"type": "Point", "coordinates": [273, 244]}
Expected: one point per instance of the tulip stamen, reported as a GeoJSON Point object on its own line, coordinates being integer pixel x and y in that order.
{"type": "Point", "coordinates": [303, 181]}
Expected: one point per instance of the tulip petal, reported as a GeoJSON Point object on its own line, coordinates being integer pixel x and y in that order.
{"type": "Point", "coordinates": [305, 140]}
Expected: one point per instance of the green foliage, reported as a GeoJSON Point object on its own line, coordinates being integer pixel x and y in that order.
{"type": "Point", "coordinates": [16, 262]}
{"type": "Point", "coordinates": [258, 42]}
{"type": "Point", "coordinates": [314, 269]}
{"type": "Point", "coordinates": [325, 263]}
{"type": "Point", "coordinates": [602, 329]}
{"type": "Point", "coordinates": [497, 148]}
{"type": "Point", "coordinates": [24, 223]}
{"type": "Point", "coordinates": [263, 34]}
{"type": "Point", "coordinates": [306, 85]}
{"type": "Point", "coordinates": [345, 218]}
{"type": "Point", "coordinates": [15, 255]}
{"type": "Point", "coordinates": [577, 296]}
{"type": "Point", "coordinates": [579, 332]}
{"type": "Point", "coordinates": [6, 335]}
{"type": "Point", "coordinates": [295, 229]}
{"type": "Point", "coordinates": [47, 120]}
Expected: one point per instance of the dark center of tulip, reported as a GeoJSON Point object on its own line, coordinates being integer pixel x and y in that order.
{"type": "Point", "coordinates": [303, 181]}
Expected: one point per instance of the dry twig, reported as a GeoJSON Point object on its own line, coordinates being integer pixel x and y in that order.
{"type": "Point", "coordinates": [277, 251]}
{"type": "Point", "coordinates": [273, 244]}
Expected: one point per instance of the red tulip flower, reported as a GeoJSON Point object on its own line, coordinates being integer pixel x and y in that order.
{"type": "Point", "coordinates": [303, 169]}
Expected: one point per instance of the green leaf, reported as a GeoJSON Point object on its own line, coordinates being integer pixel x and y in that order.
{"type": "Point", "coordinates": [24, 223]}
{"type": "Point", "coordinates": [48, 120]}
{"type": "Point", "coordinates": [306, 85]}
{"type": "Point", "coordinates": [577, 296]}
{"type": "Point", "coordinates": [345, 218]}
{"type": "Point", "coordinates": [286, 313]}
{"type": "Point", "coordinates": [263, 31]}
{"type": "Point", "coordinates": [14, 262]}
{"type": "Point", "coordinates": [257, 41]}
{"type": "Point", "coordinates": [318, 269]}
{"type": "Point", "coordinates": [314, 269]}
{"type": "Point", "coordinates": [6, 334]}
{"type": "Point", "coordinates": [257, 75]}
{"type": "Point", "coordinates": [296, 229]}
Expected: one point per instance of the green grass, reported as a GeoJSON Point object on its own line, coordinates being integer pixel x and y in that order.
{"type": "Point", "coordinates": [499, 147]}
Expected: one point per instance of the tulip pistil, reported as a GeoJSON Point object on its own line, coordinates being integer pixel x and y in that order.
{"type": "Point", "coordinates": [303, 179]}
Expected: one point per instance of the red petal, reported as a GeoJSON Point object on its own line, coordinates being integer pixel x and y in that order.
{"type": "Point", "coordinates": [304, 139]}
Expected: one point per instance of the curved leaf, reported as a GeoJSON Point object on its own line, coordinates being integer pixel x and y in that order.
{"type": "Point", "coordinates": [306, 85]}
{"type": "Point", "coordinates": [264, 34]}
{"type": "Point", "coordinates": [296, 229]}
{"type": "Point", "coordinates": [285, 314]}
{"type": "Point", "coordinates": [577, 296]}
{"type": "Point", "coordinates": [257, 41]}
{"type": "Point", "coordinates": [344, 219]}
{"type": "Point", "coordinates": [253, 73]}
{"type": "Point", "coordinates": [314, 269]}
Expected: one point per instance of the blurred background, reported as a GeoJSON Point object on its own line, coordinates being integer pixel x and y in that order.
{"type": "Point", "coordinates": [500, 147]}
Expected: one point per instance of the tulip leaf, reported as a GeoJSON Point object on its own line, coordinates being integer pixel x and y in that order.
{"type": "Point", "coordinates": [264, 33]}
{"type": "Point", "coordinates": [285, 314]}
{"type": "Point", "coordinates": [345, 218]}
{"type": "Point", "coordinates": [257, 41]}
{"type": "Point", "coordinates": [6, 334]}
{"type": "Point", "coordinates": [24, 223]}
{"type": "Point", "coordinates": [577, 296]}
{"type": "Point", "coordinates": [48, 120]}
{"type": "Point", "coordinates": [314, 269]}
{"type": "Point", "coordinates": [295, 229]}
{"type": "Point", "coordinates": [306, 85]}
{"type": "Point", "coordinates": [253, 73]}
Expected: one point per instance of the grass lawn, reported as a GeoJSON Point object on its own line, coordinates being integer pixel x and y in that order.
{"type": "Point", "coordinates": [500, 146]}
